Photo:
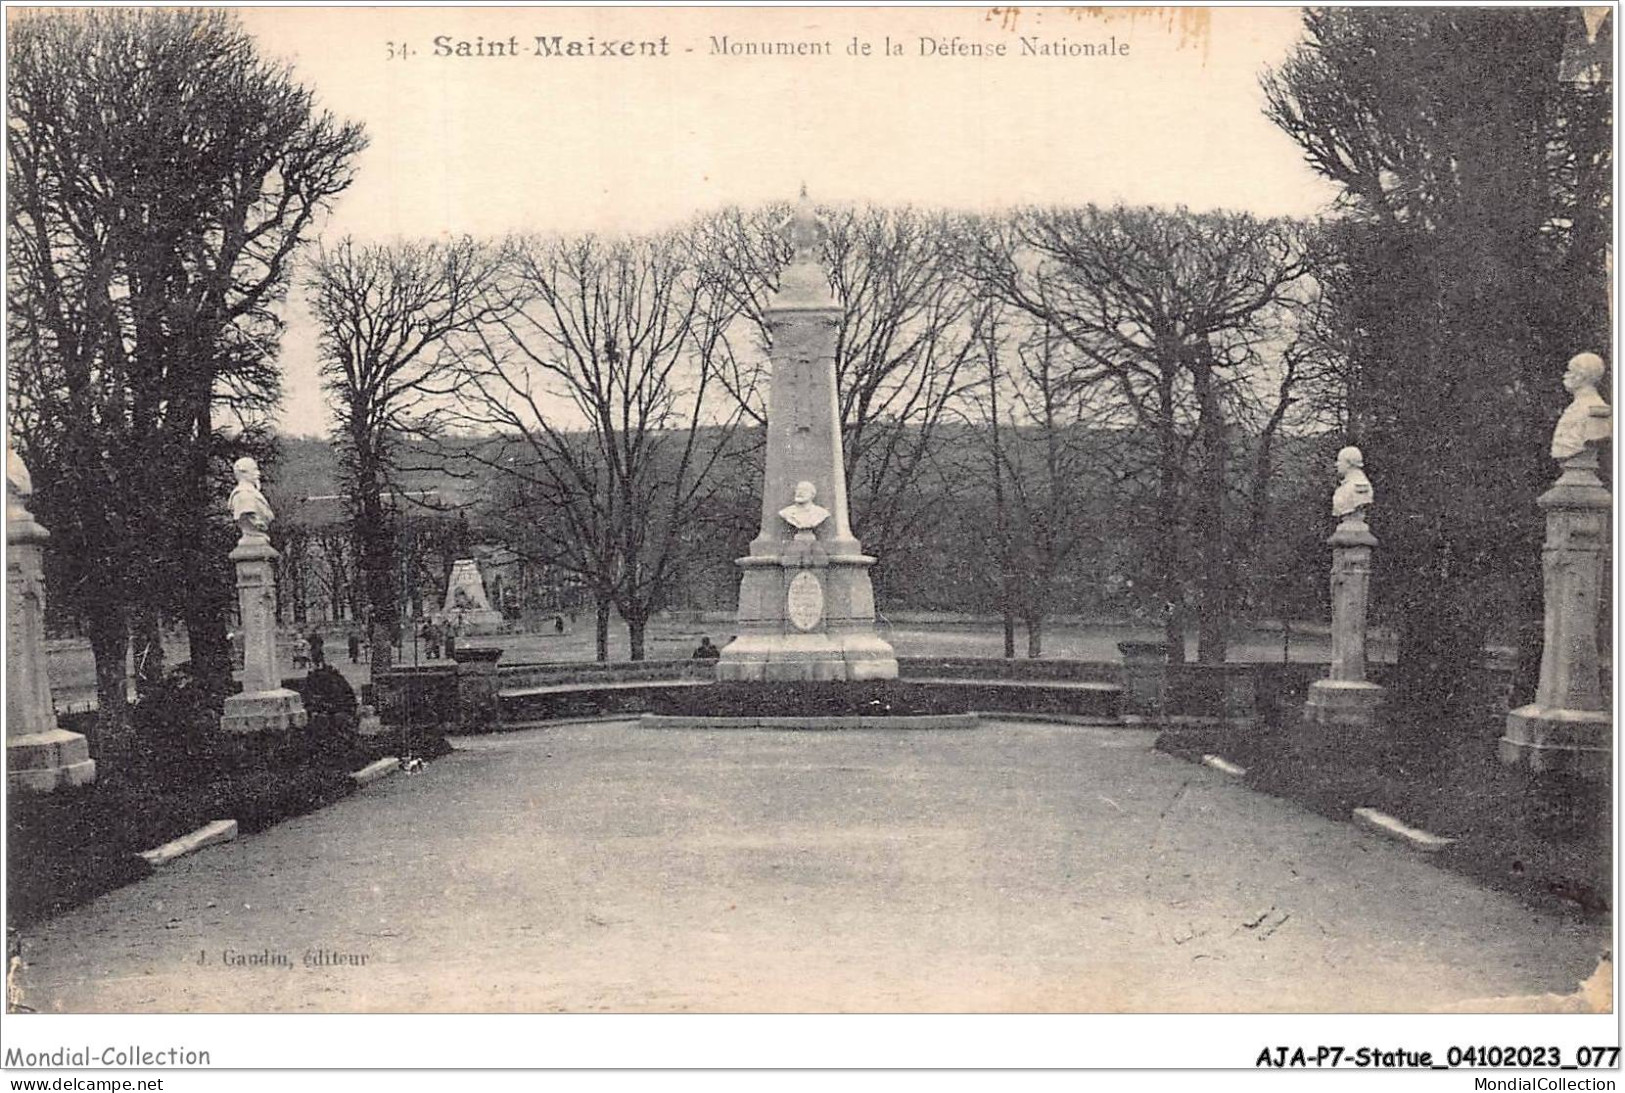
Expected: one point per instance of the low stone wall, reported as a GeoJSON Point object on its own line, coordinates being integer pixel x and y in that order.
{"type": "Point", "coordinates": [999, 668]}
{"type": "Point", "coordinates": [513, 677]}
{"type": "Point", "coordinates": [1242, 695]}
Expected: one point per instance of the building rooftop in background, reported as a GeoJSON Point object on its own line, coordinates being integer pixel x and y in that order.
{"type": "Point", "coordinates": [329, 508]}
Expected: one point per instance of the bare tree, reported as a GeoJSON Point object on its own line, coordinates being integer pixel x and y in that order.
{"type": "Point", "coordinates": [1167, 314]}
{"type": "Point", "coordinates": [1052, 464]}
{"type": "Point", "coordinates": [386, 313]}
{"type": "Point", "coordinates": [602, 381]}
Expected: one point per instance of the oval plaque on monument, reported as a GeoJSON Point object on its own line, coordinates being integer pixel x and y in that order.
{"type": "Point", "coordinates": [806, 601]}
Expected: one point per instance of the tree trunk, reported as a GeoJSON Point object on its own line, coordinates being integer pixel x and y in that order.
{"type": "Point", "coordinates": [381, 643]}
{"type": "Point", "coordinates": [1035, 636]}
{"type": "Point", "coordinates": [148, 640]}
{"type": "Point", "coordinates": [374, 538]}
{"type": "Point", "coordinates": [1007, 600]}
{"type": "Point", "coordinates": [110, 646]}
{"type": "Point", "coordinates": [209, 647]}
{"type": "Point", "coordinates": [1165, 549]}
{"type": "Point", "coordinates": [211, 578]}
{"type": "Point", "coordinates": [601, 627]}
{"type": "Point", "coordinates": [636, 626]}
{"type": "Point", "coordinates": [1173, 629]}
{"type": "Point", "coordinates": [1212, 603]}
{"type": "Point", "coordinates": [1441, 645]}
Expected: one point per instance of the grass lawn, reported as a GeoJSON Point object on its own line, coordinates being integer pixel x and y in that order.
{"type": "Point", "coordinates": [1545, 839]}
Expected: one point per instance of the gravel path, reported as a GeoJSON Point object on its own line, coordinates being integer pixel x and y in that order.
{"type": "Point", "coordinates": [1015, 867]}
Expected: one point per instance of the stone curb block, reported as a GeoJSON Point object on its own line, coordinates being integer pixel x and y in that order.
{"type": "Point", "coordinates": [382, 768]}
{"type": "Point", "coordinates": [1384, 824]}
{"type": "Point", "coordinates": [811, 724]}
{"type": "Point", "coordinates": [1224, 766]}
{"type": "Point", "coordinates": [221, 831]}
{"type": "Point", "coordinates": [551, 723]}
{"type": "Point", "coordinates": [1061, 719]}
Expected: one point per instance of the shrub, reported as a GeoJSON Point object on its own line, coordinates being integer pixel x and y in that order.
{"type": "Point", "coordinates": [330, 702]}
{"type": "Point", "coordinates": [177, 721]}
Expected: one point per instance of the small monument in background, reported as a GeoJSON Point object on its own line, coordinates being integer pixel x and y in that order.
{"type": "Point", "coordinates": [1568, 727]}
{"type": "Point", "coordinates": [806, 606]}
{"type": "Point", "coordinates": [467, 605]}
{"type": "Point", "coordinates": [264, 704]}
{"type": "Point", "coordinates": [1346, 698]}
{"type": "Point", "coordinates": [40, 755]}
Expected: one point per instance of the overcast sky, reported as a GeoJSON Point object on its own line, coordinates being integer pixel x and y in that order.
{"type": "Point", "coordinates": [487, 145]}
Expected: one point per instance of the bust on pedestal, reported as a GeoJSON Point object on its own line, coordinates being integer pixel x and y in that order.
{"type": "Point", "coordinates": [1568, 727]}
{"type": "Point", "coordinates": [264, 704]}
{"type": "Point", "coordinates": [40, 756]}
{"type": "Point", "coordinates": [806, 606]}
{"type": "Point", "coordinates": [1346, 698]}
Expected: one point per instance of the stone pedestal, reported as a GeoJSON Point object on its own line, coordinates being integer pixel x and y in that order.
{"type": "Point", "coordinates": [1145, 677]}
{"type": "Point", "coordinates": [477, 688]}
{"type": "Point", "coordinates": [1345, 698]}
{"type": "Point", "coordinates": [40, 756]}
{"type": "Point", "coordinates": [264, 704]}
{"type": "Point", "coordinates": [806, 605]}
{"type": "Point", "coordinates": [1568, 727]}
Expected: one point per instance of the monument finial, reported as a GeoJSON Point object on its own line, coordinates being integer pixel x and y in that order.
{"type": "Point", "coordinates": [804, 230]}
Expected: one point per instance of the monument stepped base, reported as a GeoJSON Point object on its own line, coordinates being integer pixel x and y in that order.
{"type": "Point", "coordinates": [264, 711]}
{"type": "Point", "coordinates": [811, 657]}
{"type": "Point", "coordinates": [1559, 741]}
{"type": "Point", "coordinates": [46, 761]}
{"type": "Point", "coordinates": [1344, 703]}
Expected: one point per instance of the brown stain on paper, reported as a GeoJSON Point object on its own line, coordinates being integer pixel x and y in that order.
{"type": "Point", "coordinates": [1594, 995]}
{"type": "Point", "coordinates": [1194, 26]}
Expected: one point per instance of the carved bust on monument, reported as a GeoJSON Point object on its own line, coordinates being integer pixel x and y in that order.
{"type": "Point", "coordinates": [1353, 493]}
{"type": "Point", "coordinates": [250, 511]}
{"type": "Point", "coordinates": [804, 515]}
{"type": "Point", "coordinates": [1588, 418]}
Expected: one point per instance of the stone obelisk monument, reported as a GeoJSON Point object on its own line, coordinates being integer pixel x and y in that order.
{"type": "Point", "coordinates": [1568, 728]}
{"type": "Point", "coordinates": [40, 755]}
{"type": "Point", "coordinates": [264, 704]}
{"type": "Point", "coordinates": [466, 602]}
{"type": "Point", "coordinates": [1346, 698]}
{"type": "Point", "coordinates": [806, 606]}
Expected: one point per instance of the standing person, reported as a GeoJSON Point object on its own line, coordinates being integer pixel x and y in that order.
{"type": "Point", "coordinates": [317, 658]}
{"type": "Point", "coordinates": [558, 624]}
{"type": "Point", "coordinates": [355, 647]}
